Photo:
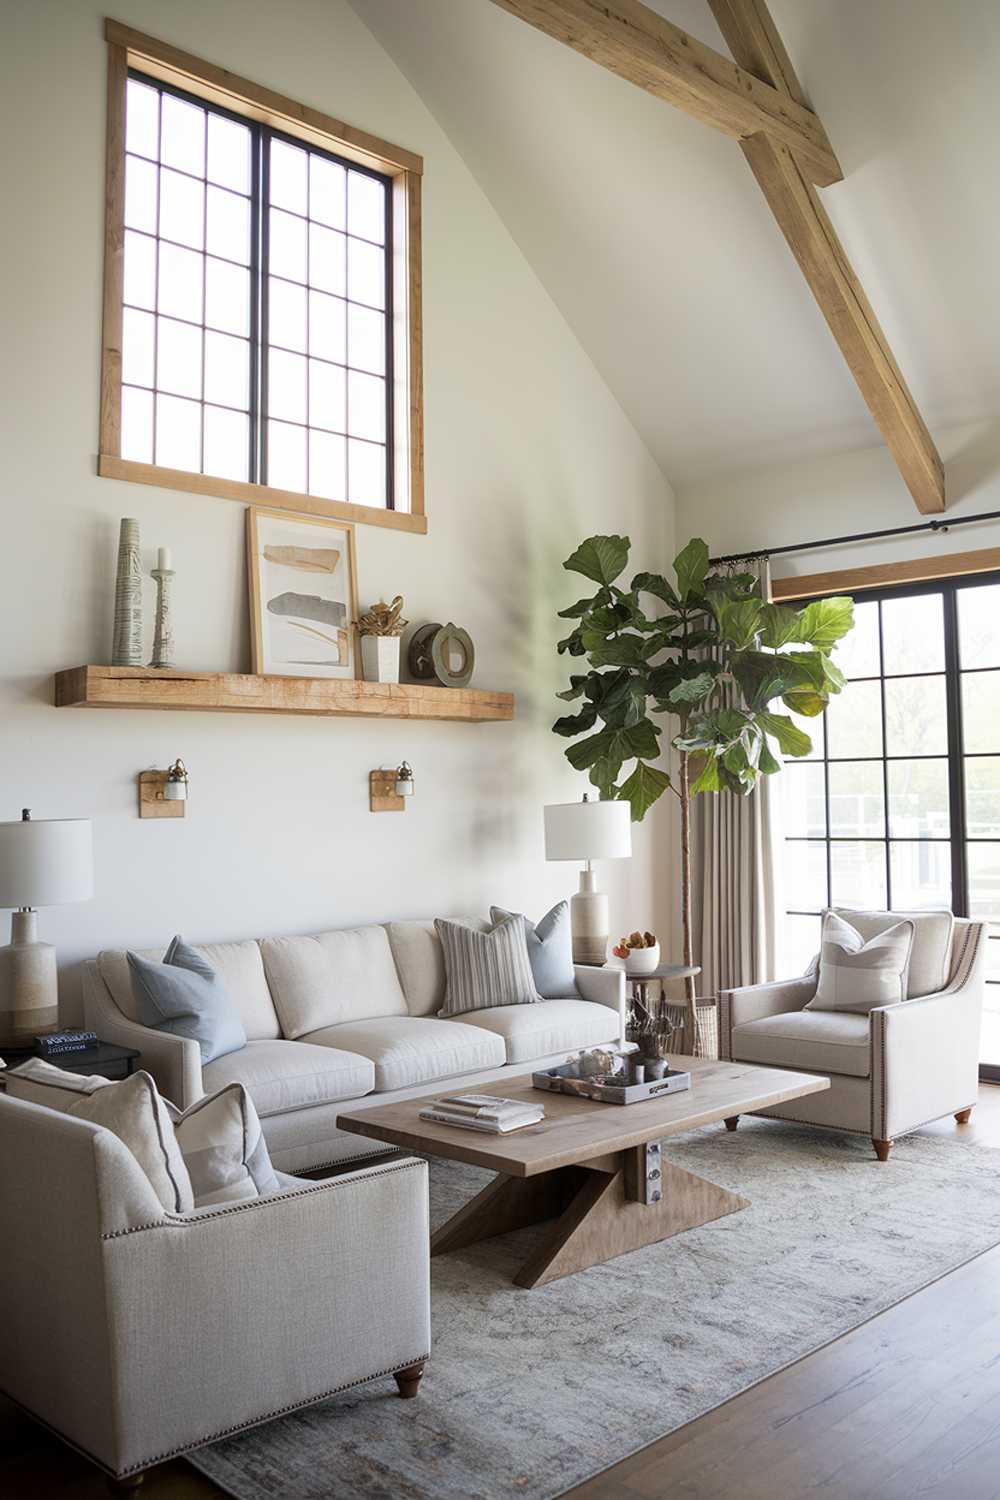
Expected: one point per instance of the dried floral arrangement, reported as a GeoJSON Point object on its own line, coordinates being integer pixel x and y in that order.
{"type": "Point", "coordinates": [383, 619]}
{"type": "Point", "coordinates": [627, 945]}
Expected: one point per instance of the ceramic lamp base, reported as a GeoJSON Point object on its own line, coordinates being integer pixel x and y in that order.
{"type": "Point", "coordinates": [589, 921]}
{"type": "Point", "coordinates": [29, 998]}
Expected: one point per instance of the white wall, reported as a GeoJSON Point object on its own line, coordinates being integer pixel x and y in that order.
{"type": "Point", "coordinates": [527, 452]}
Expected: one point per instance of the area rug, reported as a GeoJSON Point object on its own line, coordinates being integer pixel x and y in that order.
{"type": "Point", "coordinates": [530, 1392]}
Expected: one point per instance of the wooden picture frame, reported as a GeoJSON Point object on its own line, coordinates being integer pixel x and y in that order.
{"type": "Point", "coordinates": [295, 597]}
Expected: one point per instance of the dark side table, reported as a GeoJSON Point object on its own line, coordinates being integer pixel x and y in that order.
{"type": "Point", "coordinates": [105, 1059]}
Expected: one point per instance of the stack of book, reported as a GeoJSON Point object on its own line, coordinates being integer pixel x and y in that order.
{"type": "Point", "coordinates": [484, 1112]}
{"type": "Point", "coordinates": [55, 1043]}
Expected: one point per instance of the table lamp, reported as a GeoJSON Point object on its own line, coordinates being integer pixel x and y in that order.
{"type": "Point", "coordinates": [43, 863]}
{"type": "Point", "coordinates": [588, 830]}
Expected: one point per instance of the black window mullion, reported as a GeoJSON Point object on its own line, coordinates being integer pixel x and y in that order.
{"type": "Point", "coordinates": [264, 236]}
{"type": "Point", "coordinates": [885, 762]}
{"type": "Point", "coordinates": [390, 446]}
{"type": "Point", "coordinates": [255, 424]}
{"type": "Point", "coordinates": [956, 761]}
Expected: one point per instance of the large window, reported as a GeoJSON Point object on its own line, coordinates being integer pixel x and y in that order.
{"type": "Point", "coordinates": [898, 806]}
{"type": "Point", "coordinates": [261, 293]}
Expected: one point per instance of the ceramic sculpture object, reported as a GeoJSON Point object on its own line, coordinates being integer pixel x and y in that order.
{"type": "Point", "coordinates": [127, 645]}
{"type": "Point", "coordinates": [431, 655]}
{"type": "Point", "coordinates": [163, 635]}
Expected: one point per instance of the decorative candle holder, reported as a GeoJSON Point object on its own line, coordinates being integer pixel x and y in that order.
{"type": "Point", "coordinates": [163, 638]}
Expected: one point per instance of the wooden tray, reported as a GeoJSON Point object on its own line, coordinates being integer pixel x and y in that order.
{"type": "Point", "coordinates": [563, 1080]}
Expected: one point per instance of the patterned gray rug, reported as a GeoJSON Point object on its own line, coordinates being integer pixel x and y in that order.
{"type": "Point", "coordinates": [531, 1392]}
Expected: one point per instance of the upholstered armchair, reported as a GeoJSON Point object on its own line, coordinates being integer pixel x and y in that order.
{"type": "Point", "coordinates": [137, 1334]}
{"type": "Point", "coordinates": [891, 1070]}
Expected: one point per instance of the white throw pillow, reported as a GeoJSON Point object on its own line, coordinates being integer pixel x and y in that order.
{"type": "Point", "coordinates": [224, 1148]}
{"type": "Point", "coordinates": [131, 1108]}
{"type": "Point", "coordinates": [858, 976]}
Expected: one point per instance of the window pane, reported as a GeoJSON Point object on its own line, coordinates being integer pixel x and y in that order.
{"type": "Point", "coordinates": [182, 209]}
{"type": "Point", "coordinates": [366, 406]}
{"type": "Point", "coordinates": [981, 711]}
{"type": "Point", "coordinates": [227, 370]}
{"type": "Point", "coordinates": [327, 327]}
{"type": "Point", "coordinates": [228, 153]}
{"type": "Point", "coordinates": [365, 207]}
{"type": "Point", "coordinates": [979, 625]}
{"type": "Point", "coordinates": [918, 799]}
{"type": "Point", "coordinates": [916, 716]}
{"type": "Point", "coordinates": [913, 634]}
{"type": "Point", "coordinates": [178, 359]}
{"type": "Point", "coordinates": [180, 283]}
{"type": "Point", "coordinates": [140, 270]}
{"type": "Point", "coordinates": [286, 456]}
{"type": "Point", "coordinates": [857, 875]}
{"type": "Point", "coordinates": [366, 339]}
{"type": "Point", "coordinates": [287, 248]}
{"type": "Point", "coordinates": [327, 260]}
{"type": "Point", "coordinates": [921, 875]}
{"type": "Point", "coordinates": [228, 231]}
{"type": "Point", "coordinates": [226, 439]}
{"type": "Point", "coordinates": [803, 800]}
{"type": "Point", "coordinates": [327, 192]}
{"type": "Point", "coordinates": [140, 194]}
{"type": "Point", "coordinates": [178, 433]}
{"type": "Point", "coordinates": [137, 425]}
{"type": "Point", "coordinates": [805, 872]}
{"type": "Point", "coordinates": [798, 943]}
{"type": "Point", "coordinates": [984, 879]}
{"type": "Point", "coordinates": [857, 654]}
{"type": "Point", "coordinates": [982, 797]}
{"type": "Point", "coordinates": [182, 136]}
{"type": "Point", "coordinates": [327, 396]}
{"type": "Point", "coordinates": [286, 314]}
{"type": "Point", "coordinates": [854, 721]}
{"type": "Point", "coordinates": [142, 118]}
{"type": "Point", "coordinates": [288, 177]}
{"type": "Point", "coordinates": [137, 347]}
{"type": "Point", "coordinates": [365, 473]}
{"type": "Point", "coordinates": [327, 465]}
{"type": "Point", "coordinates": [856, 799]}
{"type": "Point", "coordinates": [365, 273]}
{"type": "Point", "coordinates": [286, 385]}
{"type": "Point", "coordinates": [227, 297]}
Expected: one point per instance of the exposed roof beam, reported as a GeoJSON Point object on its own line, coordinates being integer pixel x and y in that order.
{"type": "Point", "coordinates": [640, 46]}
{"type": "Point", "coordinates": [783, 179]}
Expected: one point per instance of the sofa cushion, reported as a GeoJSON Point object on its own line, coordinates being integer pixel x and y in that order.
{"type": "Point", "coordinates": [184, 996]}
{"type": "Point", "coordinates": [408, 1050]}
{"type": "Point", "coordinates": [858, 976]}
{"type": "Point", "coordinates": [930, 956]}
{"type": "Point", "coordinates": [281, 1076]}
{"type": "Point", "coordinates": [332, 977]}
{"type": "Point", "coordinates": [820, 1041]}
{"type": "Point", "coordinates": [531, 1031]}
{"type": "Point", "coordinates": [486, 968]}
{"type": "Point", "coordinates": [224, 1148]}
{"type": "Point", "coordinates": [240, 970]}
{"type": "Point", "coordinates": [419, 958]}
{"type": "Point", "coordinates": [550, 951]}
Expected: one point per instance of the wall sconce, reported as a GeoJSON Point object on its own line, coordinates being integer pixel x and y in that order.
{"type": "Point", "coordinates": [388, 789]}
{"type": "Point", "coordinates": [163, 794]}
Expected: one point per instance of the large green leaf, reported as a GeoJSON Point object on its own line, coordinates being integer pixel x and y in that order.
{"type": "Point", "coordinates": [644, 787]}
{"type": "Point", "coordinates": [580, 608]}
{"type": "Point", "coordinates": [623, 704]}
{"type": "Point", "coordinates": [601, 558]}
{"type": "Point", "coordinates": [693, 689]}
{"type": "Point", "coordinates": [738, 619]}
{"type": "Point", "coordinates": [572, 724]}
{"type": "Point", "coordinates": [707, 779]}
{"type": "Point", "coordinates": [577, 683]}
{"type": "Point", "coordinates": [767, 763]}
{"type": "Point", "coordinates": [779, 625]}
{"type": "Point", "coordinates": [573, 643]}
{"type": "Point", "coordinates": [615, 744]}
{"type": "Point", "coordinates": [656, 584]}
{"type": "Point", "coordinates": [791, 739]}
{"type": "Point", "coordinates": [826, 621]}
{"type": "Point", "coordinates": [625, 650]}
{"type": "Point", "coordinates": [691, 567]}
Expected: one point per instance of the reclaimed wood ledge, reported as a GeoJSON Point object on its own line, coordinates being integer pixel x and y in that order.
{"type": "Point", "coordinates": [242, 692]}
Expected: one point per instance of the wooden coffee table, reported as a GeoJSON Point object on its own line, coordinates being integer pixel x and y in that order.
{"type": "Point", "coordinates": [596, 1169]}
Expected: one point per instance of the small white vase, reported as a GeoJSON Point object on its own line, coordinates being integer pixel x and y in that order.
{"type": "Point", "coordinates": [380, 658]}
{"type": "Point", "coordinates": [643, 961]}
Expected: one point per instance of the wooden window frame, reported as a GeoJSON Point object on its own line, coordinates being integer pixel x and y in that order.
{"type": "Point", "coordinates": [940, 566]}
{"type": "Point", "coordinates": [127, 49]}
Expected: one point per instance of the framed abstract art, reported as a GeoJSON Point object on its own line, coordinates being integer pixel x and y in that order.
{"type": "Point", "coordinates": [303, 595]}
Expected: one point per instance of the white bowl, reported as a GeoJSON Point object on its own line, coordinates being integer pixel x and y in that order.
{"type": "Point", "coordinates": [643, 960]}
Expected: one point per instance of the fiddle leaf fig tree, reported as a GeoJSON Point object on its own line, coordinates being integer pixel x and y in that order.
{"type": "Point", "coordinates": [706, 654]}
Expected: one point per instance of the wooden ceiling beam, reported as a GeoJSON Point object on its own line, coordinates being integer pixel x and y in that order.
{"type": "Point", "coordinates": [642, 47]}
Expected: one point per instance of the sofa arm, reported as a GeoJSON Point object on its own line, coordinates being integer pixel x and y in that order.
{"type": "Point", "coordinates": [230, 1315]}
{"type": "Point", "coordinates": [753, 1002]}
{"type": "Point", "coordinates": [603, 987]}
{"type": "Point", "coordinates": [174, 1061]}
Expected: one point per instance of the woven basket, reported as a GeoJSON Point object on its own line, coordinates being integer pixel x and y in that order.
{"type": "Point", "coordinates": [707, 1014]}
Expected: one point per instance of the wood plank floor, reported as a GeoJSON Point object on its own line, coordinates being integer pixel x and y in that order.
{"type": "Point", "coordinates": [908, 1404]}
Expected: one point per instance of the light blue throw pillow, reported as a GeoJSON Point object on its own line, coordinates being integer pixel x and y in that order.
{"type": "Point", "coordinates": [185, 996]}
{"type": "Point", "coordinates": [550, 952]}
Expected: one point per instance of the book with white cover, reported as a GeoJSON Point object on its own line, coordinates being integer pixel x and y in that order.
{"type": "Point", "coordinates": [483, 1106]}
{"type": "Point", "coordinates": [493, 1126]}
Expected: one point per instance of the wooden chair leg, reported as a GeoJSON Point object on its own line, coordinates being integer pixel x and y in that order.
{"type": "Point", "coordinates": [409, 1380]}
{"type": "Point", "coordinates": [732, 1121]}
{"type": "Point", "coordinates": [963, 1115]}
{"type": "Point", "coordinates": [882, 1149]}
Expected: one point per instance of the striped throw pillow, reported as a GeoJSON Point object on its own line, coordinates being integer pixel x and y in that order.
{"type": "Point", "coordinates": [486, 968]}
{"type": "Point", "coordinates": [858, 976]}
{"type": "Point", "coordinates": [223, 1148]}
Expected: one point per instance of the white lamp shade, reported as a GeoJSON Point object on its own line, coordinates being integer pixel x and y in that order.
{"type": "Point", "coordinates": [46, 862]}
{"type": "Point", "coordinates": [588, 830]}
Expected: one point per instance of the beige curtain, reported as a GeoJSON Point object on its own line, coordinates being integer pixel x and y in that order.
{"type": "Point", "coordinates": [736, 864]}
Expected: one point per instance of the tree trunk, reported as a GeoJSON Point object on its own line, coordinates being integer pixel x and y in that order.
{"type": "Point", "coordinates": [691, 1026]}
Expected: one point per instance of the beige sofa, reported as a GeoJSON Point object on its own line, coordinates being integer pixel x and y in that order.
{"type": "Point", "coordinates": [348, 1016]}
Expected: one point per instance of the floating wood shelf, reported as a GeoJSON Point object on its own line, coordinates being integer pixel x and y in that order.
{"type": "Point", "coordinates": [241, 692]}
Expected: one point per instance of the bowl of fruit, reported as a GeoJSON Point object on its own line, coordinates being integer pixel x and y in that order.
{"type": "Point", "coordinates": [641, 952]}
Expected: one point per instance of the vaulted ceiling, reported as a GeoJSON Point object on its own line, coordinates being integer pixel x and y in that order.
{"type": "Point", "coordinates": [649, 232]}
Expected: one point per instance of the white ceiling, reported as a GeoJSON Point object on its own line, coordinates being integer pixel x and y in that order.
{"type": "Point", "coordinates": [650, 234]}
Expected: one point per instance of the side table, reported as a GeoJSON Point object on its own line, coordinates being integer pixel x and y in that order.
{"type": "Point", "coordinates": [106, 1060]}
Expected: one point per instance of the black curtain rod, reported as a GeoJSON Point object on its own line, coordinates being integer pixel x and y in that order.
{"type": "Point", "coordinates": [858, 536]}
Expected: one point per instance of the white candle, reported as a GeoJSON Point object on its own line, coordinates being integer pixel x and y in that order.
{"type": "Point", "coordinates": [163, 559]}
